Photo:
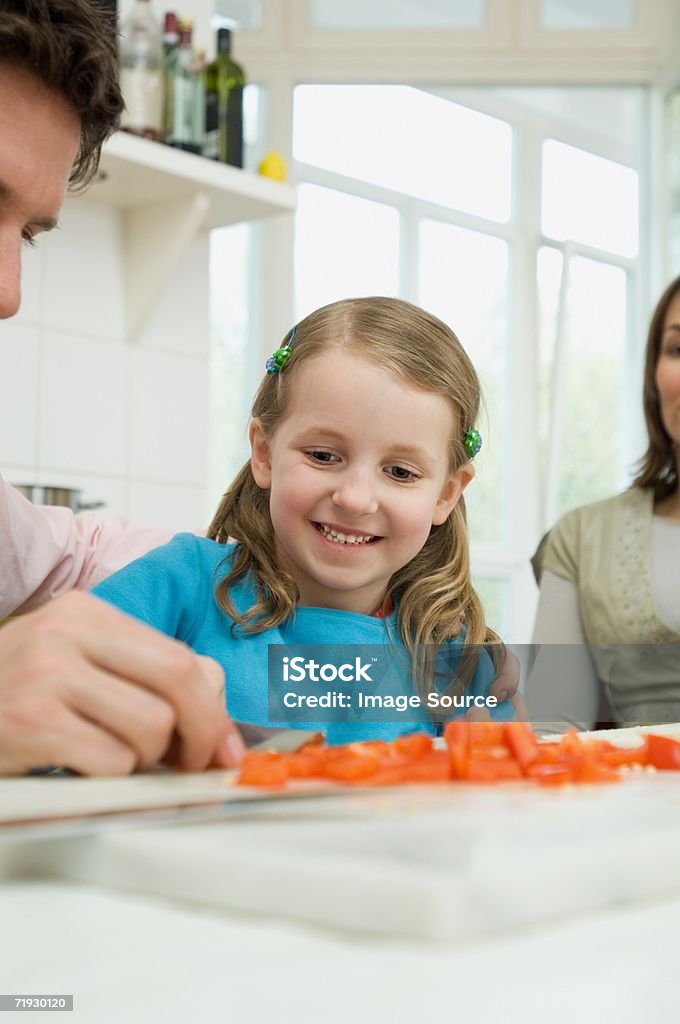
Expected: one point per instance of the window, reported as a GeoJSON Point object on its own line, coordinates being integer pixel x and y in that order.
{"type": "Point", "coordinates": [435, 208]}
{"type": "Point", "coordinates": [589, 199]}
{"type": "Point", "coordinates": [399, 14]}
{"type": "Point", "coordinates": [463, 278]}
{"type": "Point", "coordinates": [583, 347]}
{"type": "Point", "coordinates": [426, 146]}
{"type": "Point", "coordinates": [344, 245]}
{"type": "Point", "coordinates": [239, 13]}
{"type": "Point", "coordinates": [588, 14]}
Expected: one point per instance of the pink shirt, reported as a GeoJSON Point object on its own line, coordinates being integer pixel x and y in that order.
{"type": "Point", "coordinates": [45, 551]}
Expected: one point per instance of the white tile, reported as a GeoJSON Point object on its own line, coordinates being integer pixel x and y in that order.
{"type": "Point", "coordinates": [32, 275]}
{"type": "Point", "coordinates": [83, 277]}
{"type": "Point", "coordinates": [170, 505]}
{"type": "Point", "coordinates": [168, 418]}
{"type": "Point", "coordinates": [83, 424]}
{"type": "Point", "coordinates": [19, 475]}
{"type": "Point", "coordinates": [19, 374]}
{"type": "Point", "coordinates": [180, 321]}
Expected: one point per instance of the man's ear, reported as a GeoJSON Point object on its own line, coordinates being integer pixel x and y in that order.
{"type": "Point", "coordinates": [260, 455]}
{"type": "Point", "coordinates": [451, 492]}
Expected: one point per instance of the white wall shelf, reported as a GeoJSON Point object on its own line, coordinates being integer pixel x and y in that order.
{"type": "Point", "coordinates": [166, 197]}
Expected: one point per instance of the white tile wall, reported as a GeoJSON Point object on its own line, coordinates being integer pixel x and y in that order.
{"type": "Point", "coordinates": [83, 274]}
{"type": "Point", "coordinates": [83, 398]}
{"type": "Point", "coordinates": [168, 418]}
{"type": "Point", "coordinates": [80, 406]}
{"type": "Point", "coordinates": [19, 474]}
{"type": "Point", "coordinates": [177, 508]}
{"type": "Point", "coordinates": [19, 374]}
{"type": "Point", "coordinates": [32, 266]}
{"type": "Point", "coordinates": [181, 320]}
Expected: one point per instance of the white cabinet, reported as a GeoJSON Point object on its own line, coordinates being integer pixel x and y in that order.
{"type": "Point", "coordinates": [165, 198]}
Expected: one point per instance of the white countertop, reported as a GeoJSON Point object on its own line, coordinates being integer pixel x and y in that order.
{"type": "Point", "coordinates": [481, 904]}
{"type": "Point", "coordinates": [143, 960]}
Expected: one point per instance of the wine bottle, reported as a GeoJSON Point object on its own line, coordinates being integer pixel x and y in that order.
{"type": "Point", "coordinates": [224, 81]}
{"type": "Point", "coordinates": [170, 33]}
{"type": "Point", "coordinates": [170, 42]}
{"type": "Point", "coordinates": [185, 97]}
{"type": "Point", "coordinates": [140, 71]}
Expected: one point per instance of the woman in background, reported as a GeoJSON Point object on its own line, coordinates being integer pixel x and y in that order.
{"type": "Point", "coordinates": [611, 571]}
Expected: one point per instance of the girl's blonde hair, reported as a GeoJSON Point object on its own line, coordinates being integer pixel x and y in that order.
{"type": "Point", "coordinates": [433, 593]}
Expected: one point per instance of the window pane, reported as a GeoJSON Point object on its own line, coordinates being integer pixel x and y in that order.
{"type": "Point", "coordinates": [549, 280]}
{"type": "Point", "coordinates": [595, 337]}
{"type": "Point", "coordinates": [408, 140]}
{"type": "Point", "coordinates": [593, 14]}
{"type": "Point", "coordinates": [494, 595]}
{"type": "Point", "coordinates": [344, 246]}
{"type": "Point", "coordinates": [399, 13]}
{"type": "Point", "coordinates": [589, 199]}
{"type": "Point", "coordinates": [463, 279]}
{"type": "Point", "coordinates": [239, 13]}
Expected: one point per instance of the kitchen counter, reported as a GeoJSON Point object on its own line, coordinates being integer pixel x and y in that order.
{"type": "Point", "coordinates": [142, 961]}
{"type": "Point", "coordinates": [486, 904]}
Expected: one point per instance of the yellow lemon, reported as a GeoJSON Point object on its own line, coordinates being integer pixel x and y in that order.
{"type": "Point", "coordinates": [273, 166]}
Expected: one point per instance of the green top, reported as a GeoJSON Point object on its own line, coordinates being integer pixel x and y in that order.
{"type": "Point", "coordinates": [605, 549]}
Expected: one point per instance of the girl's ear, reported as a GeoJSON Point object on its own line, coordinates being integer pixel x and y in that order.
{"type": "Point", "coordinates": [451, 492]}
{"type": "Point", "coordinates": [260, 455]}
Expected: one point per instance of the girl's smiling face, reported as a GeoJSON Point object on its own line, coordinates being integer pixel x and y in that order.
{"type": "Point", "coordinates": [358, 471]}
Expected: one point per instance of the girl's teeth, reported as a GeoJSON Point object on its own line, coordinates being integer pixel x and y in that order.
{"type": "Point", "coordinates": [342, 538]}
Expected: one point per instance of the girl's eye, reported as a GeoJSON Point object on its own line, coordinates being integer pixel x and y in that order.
{"type": "Point", "coordinates": [322, 456]}
{"type": "Point", "coordinates": [401, 474]}
{"type": "Point", "coordinates": [27, 238]}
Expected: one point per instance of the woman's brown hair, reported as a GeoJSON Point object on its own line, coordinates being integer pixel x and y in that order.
{"type": "Point", "coordinates": [433, 592]}
{"type": "Point", "coordinates": [657, 468]}
{"type": "Point", "coordinates": [71, 46]}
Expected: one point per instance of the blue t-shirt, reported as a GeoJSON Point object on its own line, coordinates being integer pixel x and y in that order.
{"type": "Point", "coordinates": [172, 589]}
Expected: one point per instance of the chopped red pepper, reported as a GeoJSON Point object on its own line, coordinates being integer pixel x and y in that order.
{"type": "Point", "coordinates": [663, 753]}
{"type": "Point", "coordinates": [486, 752]}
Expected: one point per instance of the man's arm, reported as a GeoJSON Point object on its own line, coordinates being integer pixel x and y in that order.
{"type": "Point", "coordinates": [46, 551]}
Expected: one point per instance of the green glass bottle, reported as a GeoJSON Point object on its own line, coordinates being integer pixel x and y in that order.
{"type": "Point", "coordinates": [224, 82]}
{"type": "Point", "coordinates": [184, 98]}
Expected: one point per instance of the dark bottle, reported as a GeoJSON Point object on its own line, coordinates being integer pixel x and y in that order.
{"type": "Point", "coordinates": [224, 81]}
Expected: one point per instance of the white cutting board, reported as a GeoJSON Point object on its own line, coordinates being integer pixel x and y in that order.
{"type": "Point", "coordinates": [432, 862]}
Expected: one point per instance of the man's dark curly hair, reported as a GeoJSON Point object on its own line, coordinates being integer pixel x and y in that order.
{"type": "Point", "coordinates": [71, 46]}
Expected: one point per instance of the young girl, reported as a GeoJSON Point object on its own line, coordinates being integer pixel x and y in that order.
{"type": "Point", "coordinates": [348, 518]}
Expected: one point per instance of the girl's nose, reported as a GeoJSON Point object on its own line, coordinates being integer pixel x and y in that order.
{"type": "Point", "coordinates": [355, 494]}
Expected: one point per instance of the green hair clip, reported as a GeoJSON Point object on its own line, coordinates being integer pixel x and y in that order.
{"type": "Point", "coordinates": [472, 443]}
{"type": "Point", "coordinates": [277, 361]}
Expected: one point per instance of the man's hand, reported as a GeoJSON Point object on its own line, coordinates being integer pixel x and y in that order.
{"type": "Point", "coordinates": [85, 687]}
